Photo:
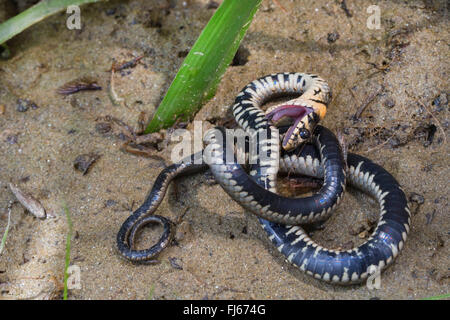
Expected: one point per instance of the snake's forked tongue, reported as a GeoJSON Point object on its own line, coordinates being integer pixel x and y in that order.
{"type": "Point", "coordinates": [292, 111]}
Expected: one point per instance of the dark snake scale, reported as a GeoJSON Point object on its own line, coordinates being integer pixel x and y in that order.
{"type": "Point", "coordinates": [310, 150]}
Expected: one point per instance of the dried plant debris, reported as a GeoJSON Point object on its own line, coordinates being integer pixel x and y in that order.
{"type": "Point", "coordinates": [140, 150]}
{"type": "Point", "coordinates": [126, 64]}
{"type": "Point", "coordinates": [115, 126]}
{"type": "Point", "coordinates": [369, 99]}
{"type": "Point", "coordinates": [29, 202]}
{"type": "Point", "coordinates": [345, 8]}
{"type": "Point", "coordinates": [84, 83]}
{"type": "Point", "coordinates": [84, 162]}
{"type": "Point", "coordinates": [141, 145]}
{"type": "Point", "coordinates": [174, 262]}
{"type": "Point", "coordinates": [142, 121]}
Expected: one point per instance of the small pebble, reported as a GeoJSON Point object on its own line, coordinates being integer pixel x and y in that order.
{"type": "Point", "coordinates": [389, 103]}
{"type": "Point", "coordinates": [12, 139]}
{"type": "Point", "coordinates": [22, 105]}
{"type": "Point", "coordinates": [440, 101]}
{"type": "Point", "coordinates": [332, 37]}
{"type": "Point", "coordinates": [110, 203]}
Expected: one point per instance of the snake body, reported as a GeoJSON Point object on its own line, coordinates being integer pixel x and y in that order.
{"type": "Point", "coordinates": [144, 214]}
{"type": "Point", "coordinates": [256, 192]}
{"type": "Point", "coordinates": [355, 265]}
{"type": "Point", "coordinates": [268, 205]}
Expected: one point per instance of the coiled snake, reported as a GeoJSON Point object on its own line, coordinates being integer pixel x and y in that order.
{"type": "Point", "coordinates": [281, 216]}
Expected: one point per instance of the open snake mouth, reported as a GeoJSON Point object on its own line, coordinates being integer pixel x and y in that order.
{"type": "Point", "coordinates": [296, 113]}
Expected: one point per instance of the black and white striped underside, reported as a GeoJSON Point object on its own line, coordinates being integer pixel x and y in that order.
{"type": "Point", "coordinates": [271, 206]}
{"type": "Point", "coordinates": [349, 266]}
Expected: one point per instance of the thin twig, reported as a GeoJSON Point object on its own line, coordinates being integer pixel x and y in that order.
{"type": "Point", "coordinates": [366, 102]}
{"type": "Point", "coordinates": [353, 94]}
{"type": "Point", "coordinates": [380, 145]}
{"type": "Point", "coordinates": [278, 4]}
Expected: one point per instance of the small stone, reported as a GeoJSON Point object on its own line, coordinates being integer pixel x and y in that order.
{"type": "Point", "coordinates": [440, 101]}
{"type": "Point", "coordinates": [12, 139]}
{"type": "Point", "coordinates": [22, 105]}
{"type": "Point", "coordinates": [332, 37]}
{"type": "Point", "coordinates": [110, 203]}
{"type": "Point", "coordinates": [389, 103]}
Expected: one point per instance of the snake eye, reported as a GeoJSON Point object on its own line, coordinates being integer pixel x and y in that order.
{"type": "Point", "coordinates": [304, 133]}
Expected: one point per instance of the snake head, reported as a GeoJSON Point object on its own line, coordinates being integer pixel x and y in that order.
{"type": "Point", "coordinates": [299, 131]}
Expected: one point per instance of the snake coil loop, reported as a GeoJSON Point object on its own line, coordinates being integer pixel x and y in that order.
{"type": "Point", "coordinates": [281, 217]}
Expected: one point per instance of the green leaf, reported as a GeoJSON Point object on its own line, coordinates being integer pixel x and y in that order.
{"type": "Point", "coordinates": [201, 71]}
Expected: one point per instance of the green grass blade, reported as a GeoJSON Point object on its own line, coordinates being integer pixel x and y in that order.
{"type": "Point", "coordinates": [439, 297]}
{"type": "Point", "coordinates": [67, 261]}
{"type": "Point", "coordinates": [201, 71]}
{"type": "Point", "coordinates": [5, 234]}
{"type": "Point", "coordinates": [151, 292]}
{"type": "Point", "coordinates": [34, 14]}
